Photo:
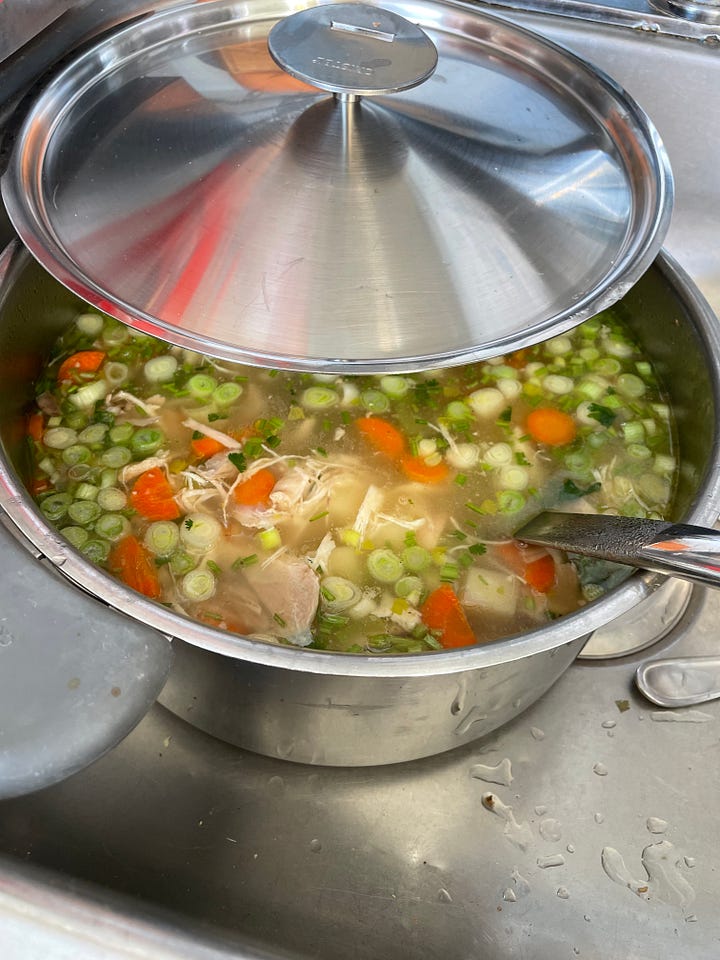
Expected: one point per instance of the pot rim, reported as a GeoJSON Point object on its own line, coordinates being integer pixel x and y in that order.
{"type": "Point", "coordinates": [27, 519]}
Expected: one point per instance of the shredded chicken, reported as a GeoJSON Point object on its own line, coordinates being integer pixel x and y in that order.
{"type": "Point", "coordinates": [133, 470]}
{"type": "Point", "coordinates": [224, 438]}
{"type": "Point", "coordinates": [118, 402]}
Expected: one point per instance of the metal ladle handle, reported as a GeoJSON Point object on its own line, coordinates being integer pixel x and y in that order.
{"type": "Point", "coordinates": [353, 50]}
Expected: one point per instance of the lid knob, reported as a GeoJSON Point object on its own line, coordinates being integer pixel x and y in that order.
{"type": "Point", "coordinates": [353, 49]}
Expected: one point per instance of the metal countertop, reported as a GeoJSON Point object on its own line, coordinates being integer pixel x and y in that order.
{"type": "Point", "coordinates": [175, 844]}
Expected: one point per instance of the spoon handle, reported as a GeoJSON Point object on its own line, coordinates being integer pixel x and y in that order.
{"type": "Point", "coordinates": [678, 549]}
{"type": "Point", "coordinates": [680, 682]}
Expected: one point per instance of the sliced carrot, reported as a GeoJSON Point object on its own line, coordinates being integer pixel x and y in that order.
{"type": "Point", "coordinates": [255, 490]}
{"type": "Point", "coordinates": [518, 359]}
{"type": "Point", "coordinates": [36, 426]}
{"type": "Point", "coordinates": [551, 426]}
{"type": "Point", "coordinates": [442, 612]}
{"type": "Point", "coordinates": [133, 563]}
{"type": "Point", "coordinates": [540, 574]}
{"type": "Point", "coordinates": [86, 361]}
{"type": "Point", "coordinates": [39, 485]}
{"type": "Point", "coordinates": [415, 468]}
{"type": "Point", "coordinates": [205, 447]}
{"type": "Point", "coordinates": [152, 496]}
{"type": "Point", "coordinates": [383, 436]}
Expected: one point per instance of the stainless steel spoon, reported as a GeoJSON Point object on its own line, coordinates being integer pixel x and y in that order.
{"type": "Point", "coordinates": [677, 549]}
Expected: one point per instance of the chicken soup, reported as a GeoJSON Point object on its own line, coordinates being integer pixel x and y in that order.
{"type": "Point", "coordinates": [362, 514]}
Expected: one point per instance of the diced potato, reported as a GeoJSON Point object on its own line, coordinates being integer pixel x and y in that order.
{"type": "Point", "coordinates": [492, 590]}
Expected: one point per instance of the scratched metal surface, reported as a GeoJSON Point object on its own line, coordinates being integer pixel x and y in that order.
{"type": "Point", "coordinates": [408, 861]}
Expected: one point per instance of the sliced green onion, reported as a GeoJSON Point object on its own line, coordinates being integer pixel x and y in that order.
{"type": "Point", "coordinates": [449, 572]}
{"type": "Point", "coordinates": [198, 585]}
{"type": "Point", "coordinates": [407, 587]}
{"type": "Point", "coordinates": [115, 373]}
{"type": "Point", "coordinates": [162, 537]}
{"type": "Point", "coordinates": [160, 369]}
{"type": "Point", "coordinates": [108, 478]}
{"type": "Point", "coordinates": [200, 532]}
{"type": "Point", "coordinates": [375, 401]}
{"type": "Point", "coordinates": [83, 512]}
{"type": "Point", "coordinates": [514, 477]}
{"type": "Point", "coordinates": [86, 491]}
{"type": "Point", "coordinates": [630, 386]}
{"type": "Point", "coordinates": [557, 384]}
{"type": "Point", "coordinates": [270, 539]}
{"type": "Point", "coordinates": [55, 507]}
{"type": "Point", "coordinates": [638, 451]}
{"type": "Point", "coordinates": [607, 366]}
{"type": "Point", "coordinates": [458, 411]}
{"type": "Point", "coordinates": [59, 438]}
{"type": "Point", "coordinates": [339, 593]}
{"type": "Point", "coordinates": [510, 501]}
{"type": "Point", "coordinates": [592, 388]}
{"type": "Point", "coordinates": [90, 324]}
{"type": "Point", "coordinates": [96, 550]}
{"type": "Point", "coordinates": [93, 434]}
{"type": "Point", "coordinates": [618, 347]}
{"type": "Point", "coordinates": [114, 334]}
{"type": "Point", "coordinates": [463, 456]}
{"type": "Point", "coordinates": [395, 386]}
{"type": "Point", "coordinates": [146, 441]}
{"type": "Point", "coordinates": [633, 432]}
{"type": "Point", "coordinates": [226, 394]}
{"type": "Point", "coordinates": [76, 454]}
{"type": "Point", "coordinates": [121, 433]}
{"type": "Point", "coordinates": [112, 526]}
{"type": "Point", "coordinates": [201, 386]}
{"type": "Point", "coordinates": [487, 402]}
{"type": "Point", "coordinates": [664, 463]}
{"type": "Point", "coordinates": [319, 398]}
{"type": "Point", "coordinates": [416, 558]}
{"type": "Point", "coordinates": [385, 566]}
{"type": "Point", "coordinates": [182, 563]}
{"type": "Point", "coordinates": [87, 396]}
{"type": "Point", "coordinates": [558, 346]}
{"type": "Point", "coordinates": [245, 561]}
{"type": "Point", "coordinates": [77, 536]}
{"type": "Point", "coordinates": [115, 457]}
{"type": "Point", "coordinates": [111, 499]}
{"type": "Point", "coordinates": [498, 455]}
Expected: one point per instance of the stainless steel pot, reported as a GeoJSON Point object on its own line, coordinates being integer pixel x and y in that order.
{"type": "Point", "coordinates": [336, 709]}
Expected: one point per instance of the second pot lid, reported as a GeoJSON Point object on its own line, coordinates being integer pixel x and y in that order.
{"type": "Point", "coordinates": [178, 178]}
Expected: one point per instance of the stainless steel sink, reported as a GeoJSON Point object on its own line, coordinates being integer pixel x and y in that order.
{"type": "Point", "coordinates": [177, 845]}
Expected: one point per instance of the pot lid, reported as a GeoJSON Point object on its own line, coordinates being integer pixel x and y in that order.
{"type": "Point", "coordinates": [203, 188]}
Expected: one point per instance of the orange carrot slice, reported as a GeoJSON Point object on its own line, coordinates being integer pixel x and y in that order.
{"type": "Point", "coordinates": [540, 574]}
{"type": "Point", "coordinates": [551, 426]}
{"type": "Point", "coordinates": [256, 489]}
{"type": "Point", "coordinates": [133, 563]}
{"type": "Point", "coordinates": [383, 436]}
{"type": "Point", "coordinates": [36, 426]}
{"type": "Point", "coordinates": [152, 496]}
{"type": "Point", "coordinates": [86, 361]}
{"type": "Point", "coordinates": [443, 613]}
{"type": "Point", "coordinates": [205, 447]}
{"type": "Point", "coordinates": [415, 468]}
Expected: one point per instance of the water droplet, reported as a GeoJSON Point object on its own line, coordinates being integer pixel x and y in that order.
{"type": "Point", "coordinates": [570, 848]}
{"type": "Point", "coordinates": [656, 825]}
{"type": "Point", "coordinates": [276, 785]}
{"type": "Point", "coordinates": [680, 716]}
{"type": "Point", "coordinates": [509, 895]}
{"type": "Point", "coordinates": [501, 773]}
{"type": "Point", "coordinates": [517, 833]}
{"type": "Point", "coordinates": [600, 769]}
{"type": "Point", "coordinates": [587, 919]}
{"type": "Point", "coordinates": [540, 809]}
{"type": "Point", "coordinates": [689, 861]}
{"type": "Point", "coordinates": [315, 846]}
{"type": "Point", "coordinates": [554, 860]}
{"type": "Point", "coordinates": [537, 733]}
{"type": "Point", "coordinates": [74, 683]}
{"type": "Point", "coordinates": [563, 893]}
{"type": "Point", "coordinates": [609, 724]}
{"type": "Point", "coordinates": [599, 817]}
{"type": "Point", "coordinates": [611, 733]}
{"type": "Point", "coordinates": [550, 830]}
{"type": "Point", "coordinates": [115, 691]}
{"type": "Point", "coordinates": [444, 896]}
{"type": "Point", "coordinates": [691, 919]}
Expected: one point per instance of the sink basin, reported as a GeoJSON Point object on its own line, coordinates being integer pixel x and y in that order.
{"type": "Point", "coordinates": [177, 845]}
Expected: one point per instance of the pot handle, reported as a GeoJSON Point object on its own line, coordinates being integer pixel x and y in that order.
{"type": "Point", "coordinates": [75, 675]}
{"type": "Point", "coordinates": [353, 50]}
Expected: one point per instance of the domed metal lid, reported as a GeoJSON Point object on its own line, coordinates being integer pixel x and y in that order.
{"type": "Point", "coordinates": [180, 179]}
